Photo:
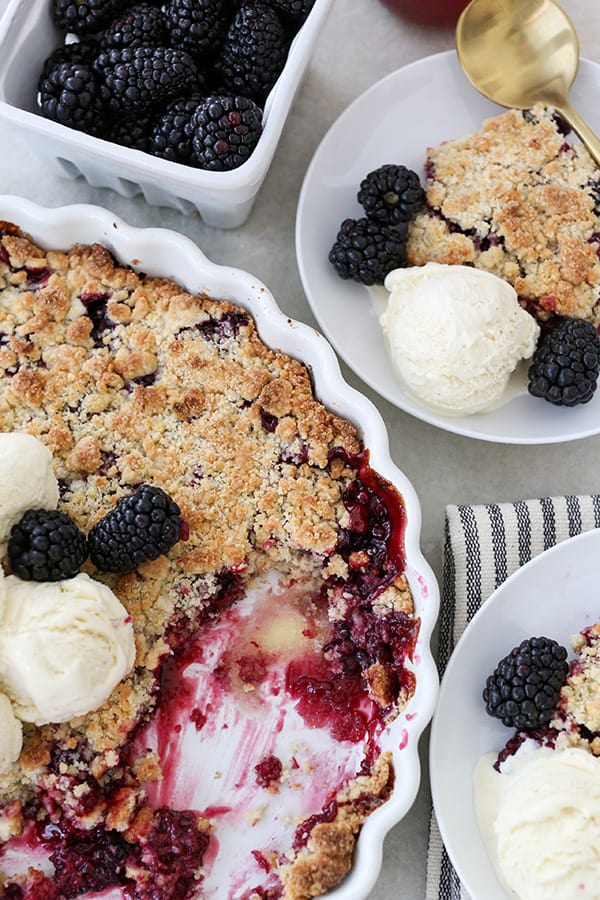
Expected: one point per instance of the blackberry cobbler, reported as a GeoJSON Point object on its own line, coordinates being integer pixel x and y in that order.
{"type": "Point", "coordinates": [517, 200]}
{"type": "Point", "coordinates": [285, 596]}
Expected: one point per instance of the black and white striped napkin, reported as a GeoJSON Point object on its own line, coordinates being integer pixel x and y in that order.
{"type": "Point", "coordinates": [483, 545]}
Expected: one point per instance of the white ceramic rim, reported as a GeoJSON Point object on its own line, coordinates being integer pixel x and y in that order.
{"type": "Point", "coordinates": [146, 249]}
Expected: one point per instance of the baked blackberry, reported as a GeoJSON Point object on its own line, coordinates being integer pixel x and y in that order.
{"type": "Point", "coordinates": [46, 545]}
{"type": "Point", "coordinates": [525, 686]}
{"type": "Point", "coordinates": [566, 363]}
{"type": "Point", "coordinates": [142, 77]}
{"type": "Point", "coordinates": [365, 250]}
{"type": "Point", "coordinates": [225, 132]}
{"type": "Point", "coordinates": [171, 135]}
{"type": "Point", "coordinates": [74, 95]}
{"type": "Point", "coordinates": [84, 51]}
{"type": "Point", "coordinates": [391, 194]}
{"type": "Point", "coordinates": [143, 23]}
{"type": "Point", "coordinates": [141, 527]}
{"type": "Point", "coordinates": [253, 52]}
{"type": "Point", "coordinates": [196, 25]}
{"type": "Point", "coordinates": [84, 16]}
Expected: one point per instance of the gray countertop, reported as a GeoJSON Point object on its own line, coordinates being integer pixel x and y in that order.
{"type": "Point", "coordinates": [362, 42]}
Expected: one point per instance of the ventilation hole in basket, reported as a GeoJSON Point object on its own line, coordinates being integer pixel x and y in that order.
{"type": "Point", "coordinates": [128, 188]}
{"type": "Point", "coordinates": [68, 167]}
{"type": "Point", "coordinates": [185, 206]}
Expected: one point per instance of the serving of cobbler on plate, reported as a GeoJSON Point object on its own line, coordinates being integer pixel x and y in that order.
{"type": "Point", "coordinates": [273, 627]}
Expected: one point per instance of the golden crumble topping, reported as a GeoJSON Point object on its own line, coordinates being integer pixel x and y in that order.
{"type": "Point", "coordinates": [516, 200]}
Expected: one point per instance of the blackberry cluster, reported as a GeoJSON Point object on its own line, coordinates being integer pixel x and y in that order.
{"type": "Point", "coordinates": [566, 363]}
{"type": "Point", "coordinates": [366, 249]}
{"type": "Point", "coordinates": [225, 131]}
{"type": "Point", "coordinates": [391, 194]}
{"type": "Point", "coordinates": [131, 63]}
{"type": "Point", "coordinates": [525, 686]}
{"type": "Point", "coordinates": [46, 545]}
{"type": "Point", "coordinates": [141, 527]}
{"type": "Point", "coordinates": [74, 95]}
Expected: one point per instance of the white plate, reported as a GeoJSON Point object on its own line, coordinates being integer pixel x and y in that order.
{"type": "Point", "coordinates": [555, 595]}
{"type": "Point", "coordinates": [168, 254]}
{"type": "Point", "coordinates": [395, 121]}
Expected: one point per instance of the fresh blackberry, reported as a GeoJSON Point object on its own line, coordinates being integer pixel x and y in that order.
{"type": "Point", "coordinates": [196, 25]}
{"type": "Point", "coordinates": [366, 251]}
{"type": "Point", "coordinates": [525, 685]}
{"type": "Point", "coordinates": [225, 132]}
{"type": "Point", "coordinates": [171, 136]}
{"type": "Point", "coordinates": [391, 194]}
{"type": "Point", "coordinates": [131, 130]}
{"type": "Point", "coordinates": [73, 95]}
{"type": "Point", "coordinates": [566, 364]}
{"type": "Point", "coordinates": [141, 527]}
{"type": "Point", "coordinates": [84, 16]}
{"type": "Point", "coordinates": [142, 77]}
{"type": "Point", "coordinates": [296, 9]}
{"type": "Point", "coordinates": [253, 52]}
{"type": "Point", "coordinates": [143, 23]}
{"type": "Point", "coordinates": [46, 545]}
{"type": "Point", "coordinates": [83, 51]}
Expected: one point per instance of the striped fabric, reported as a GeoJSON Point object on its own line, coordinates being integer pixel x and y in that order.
{"type": "Point", "coordinates": [483, 545]}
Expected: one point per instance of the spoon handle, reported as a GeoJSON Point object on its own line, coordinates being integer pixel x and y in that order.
{"type": "Point", "coordinates": [583, 131]}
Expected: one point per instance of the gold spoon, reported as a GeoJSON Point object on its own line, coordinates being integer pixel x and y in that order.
{"type": "Point", "coordinates": [521, 52]}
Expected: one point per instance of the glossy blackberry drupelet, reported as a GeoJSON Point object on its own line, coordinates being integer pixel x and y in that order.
{"type": "Point", "coordinates": [225, 132]}
{"type": "Point", "coordinates": [46, 545]}
{"type": "Point", "coordinates": [172, 133]}
{"type": "Point", "coordinates": [85, 16]}
{"type": "Point", "coordinates": [84, 51]}
{"type": "Point", "coordinates": [566, 363]}
{"type": "Point", "coordinates": [391, 194]}
{"type": "Point", "coordinates": [196, 25]}
{"type": "Point", "coordinates": [143, 23]}
{"type": "Point", "coordinates": [141, 527]}
{"type": "Point", "coordinates": [525, 685]}
{"type": "Point", "coordinates": [296, 9]}
{"type": "Point", "coordinates": [365, 250]}
{"type": "Point", "coordinates": [139, 78]}
{"type": "Point", "coordinates": [253, 53]}
{"type": "Point", "coordinates": [131, 130]}
{"type": "Point", "coordinates": [74, 95]}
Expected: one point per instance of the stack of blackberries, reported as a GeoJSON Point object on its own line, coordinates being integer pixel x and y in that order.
{"type": "Point", "coordinates": [366, 249]}
{"type": "Point", "coordinates": [186, 80]}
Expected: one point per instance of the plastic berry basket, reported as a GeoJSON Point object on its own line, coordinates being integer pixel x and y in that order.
{"type": "Point", "coordinates": [223, 199]}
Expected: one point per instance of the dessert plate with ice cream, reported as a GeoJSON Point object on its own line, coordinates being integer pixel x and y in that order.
{"type": "Point", "coordinates": [528, 827]}
{"type": "Point", "coordinates": [455, 351]}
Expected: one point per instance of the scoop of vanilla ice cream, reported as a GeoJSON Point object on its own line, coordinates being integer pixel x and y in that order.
{"type": "Point", "coordinates": [64, 646]}
{"type": "Point", "coordinates": [540, 818]}
{"type": "Point", "coordinates": [26, 478]}
{"type": "Point", "coordinates": [11, 735]}
{"type": "Point", "coordinates": [455, 334]}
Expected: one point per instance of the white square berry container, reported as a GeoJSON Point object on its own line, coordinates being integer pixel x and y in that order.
{"type": "Point", "coordinates": [223, 199]}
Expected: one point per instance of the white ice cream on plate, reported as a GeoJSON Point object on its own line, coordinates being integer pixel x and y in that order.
{"type": "Point", "coordinates": [64, 646]}
{"type": "Point", "coordinates": [11, 735]}
{"type": "Point", "coordinates": [540, 820]}
{"type": "Point", "coordinates": [455, 334]}
{"type": "Point", "coordinates": [27, 480]}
